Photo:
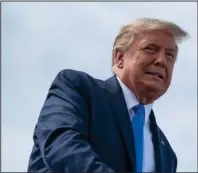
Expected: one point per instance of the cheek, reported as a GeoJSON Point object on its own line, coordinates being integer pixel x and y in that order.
{"type": "Point", "coordinates": [145, 62]}
{"type": "Point", "coordinates": [135, 66]}
{"type": "Point", "coordinates": [169, 78]}
{"type": "Point", "coordinates": [170, 72]}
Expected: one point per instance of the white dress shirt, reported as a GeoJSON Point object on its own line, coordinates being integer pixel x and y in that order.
{"type": "Point", "coordinates": [131, 101]}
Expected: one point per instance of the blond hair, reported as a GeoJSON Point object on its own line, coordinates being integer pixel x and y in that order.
{"type": "Point", "coordinates": [127, 33]}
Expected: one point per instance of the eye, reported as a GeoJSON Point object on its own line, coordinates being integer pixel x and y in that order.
{"type": "Point", "coordinates": [150, 49]}
{"type": "Point", "coordinates": [170, 55]}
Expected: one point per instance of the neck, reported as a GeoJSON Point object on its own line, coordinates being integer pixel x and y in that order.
{"type": "Point", "coordinates": [145, 96]}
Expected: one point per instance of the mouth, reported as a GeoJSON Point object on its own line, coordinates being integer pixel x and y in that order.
{"type": "Point", "coordinates": [156, 75]}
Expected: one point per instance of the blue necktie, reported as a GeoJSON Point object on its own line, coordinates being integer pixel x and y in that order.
{"type": "Point", "coordinates": [138, 127]}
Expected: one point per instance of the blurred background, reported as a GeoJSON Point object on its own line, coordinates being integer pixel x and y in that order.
{"type": "Point", "coordinates": [41, 38]}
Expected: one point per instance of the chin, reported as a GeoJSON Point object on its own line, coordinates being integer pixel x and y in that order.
{"type": "Point", "coordinates": [155, 88]}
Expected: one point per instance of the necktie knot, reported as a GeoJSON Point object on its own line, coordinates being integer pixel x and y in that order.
{"type": "Point", "coordinates": [139, 109]}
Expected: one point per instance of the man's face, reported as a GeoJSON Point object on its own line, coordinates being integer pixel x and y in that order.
{"type": "Point", "coordinates": [148, 64]}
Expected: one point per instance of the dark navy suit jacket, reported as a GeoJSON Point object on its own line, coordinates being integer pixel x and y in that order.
{"type": "Point", "coordinates": [84, 126]}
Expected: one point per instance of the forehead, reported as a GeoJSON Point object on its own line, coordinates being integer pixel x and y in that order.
{"type": "Point", "coordinates": [157, 37]}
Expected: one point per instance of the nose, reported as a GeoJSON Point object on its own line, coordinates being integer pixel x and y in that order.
{"type": "Point", "coordinates": [160, 59]}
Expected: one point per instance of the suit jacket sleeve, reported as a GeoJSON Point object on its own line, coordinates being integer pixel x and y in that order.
{"type": "Point", "coordinates": [62, 129]}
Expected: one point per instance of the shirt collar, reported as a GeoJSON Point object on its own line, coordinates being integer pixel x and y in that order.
{"type": "Point", "coordinates": [132, 101]}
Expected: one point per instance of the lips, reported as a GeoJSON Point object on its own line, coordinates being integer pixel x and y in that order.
{"type": "Point", "coordinates": [157, 75]}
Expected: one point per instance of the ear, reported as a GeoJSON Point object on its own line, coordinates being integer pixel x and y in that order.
{"type": "Point", "coordinates": [118, 58]}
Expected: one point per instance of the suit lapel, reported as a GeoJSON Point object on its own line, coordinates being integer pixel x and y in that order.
{"type": "Point", "coordinates": [158, 144]}
{"type": "Point", "coordinates": [118, 105]}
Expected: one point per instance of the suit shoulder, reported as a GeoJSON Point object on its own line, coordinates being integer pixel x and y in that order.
{"type": "Point", "coordinates": [78, 79]}
{"type": "Point", "coordinates": [74, 76]}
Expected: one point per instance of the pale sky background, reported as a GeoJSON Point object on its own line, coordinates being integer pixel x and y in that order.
{"type": "Point", "coordinates": [40, 39]}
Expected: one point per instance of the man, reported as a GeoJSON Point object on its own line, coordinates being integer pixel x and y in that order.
{"type": "Point", "coordinates": [89, 125]}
